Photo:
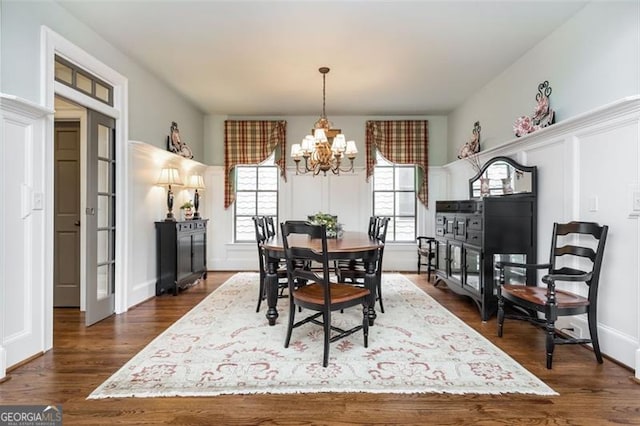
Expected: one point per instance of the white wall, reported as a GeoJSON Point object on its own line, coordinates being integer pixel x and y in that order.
{"type": "Point", "coordinates": [152, 104]}
{"type": "Point", "coordinates": [591, 60]}
{"type": "Point", "coordinates": [148, 205]}
{"type": "Point", "coordinates": [588, 168]}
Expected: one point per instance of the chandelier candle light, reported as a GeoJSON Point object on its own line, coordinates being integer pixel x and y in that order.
{"type": "Point", "coordinates": [324, 150]}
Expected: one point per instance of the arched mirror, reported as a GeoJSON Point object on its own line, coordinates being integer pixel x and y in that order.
{"type": "Point", "coordinates": [502, 176]}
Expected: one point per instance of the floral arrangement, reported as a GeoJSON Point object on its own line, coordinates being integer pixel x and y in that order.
{"type": "Point", "coordinates": [334, 229]}
{"type": "Point", "coordinates": [543, 116]}
{"type": "Point", "coordinates": [474, 160]}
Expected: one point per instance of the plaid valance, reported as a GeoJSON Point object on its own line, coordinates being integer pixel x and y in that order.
{"type": "Point", "coordinates": [251, 142]}
{"type": "Point", "coordinates": [401, 142]}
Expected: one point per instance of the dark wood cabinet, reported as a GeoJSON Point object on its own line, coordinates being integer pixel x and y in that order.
{"type": "Point", "coordinates": [472, 235]}
{"type": "Point", "coordinates": [181, 254]}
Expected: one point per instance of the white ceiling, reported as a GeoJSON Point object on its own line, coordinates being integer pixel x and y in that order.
{"type": "Point", "coordinates": [262, 57]}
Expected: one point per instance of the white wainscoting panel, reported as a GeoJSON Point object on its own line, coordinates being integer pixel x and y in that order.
{"type": "Point", "coordinates": [586, 167]}
{"type": "Point", "coordinates": [22, 221]}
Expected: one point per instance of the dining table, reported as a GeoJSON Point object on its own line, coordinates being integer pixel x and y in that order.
{"type": "Point", "coordinates": [350, 245]}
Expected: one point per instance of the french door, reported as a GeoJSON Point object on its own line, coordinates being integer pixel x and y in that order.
{"type": "Point", "coordinates": [100, 217]}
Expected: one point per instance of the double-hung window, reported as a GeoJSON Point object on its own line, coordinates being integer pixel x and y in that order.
{"type": "Point", "coordinates": [394, 196]}
{"type": "Point", "coordinates": [256, 194]}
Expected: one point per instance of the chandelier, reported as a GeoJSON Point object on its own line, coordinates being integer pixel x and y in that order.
{"type": "Point", "coordinates": [325, 149]}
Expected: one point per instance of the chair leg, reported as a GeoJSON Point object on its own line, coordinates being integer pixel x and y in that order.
{"type": "Point", "coordinates": [292, 314]}
{"type": "Point", "coordinates": [593, 331]}
{"type": "Point", "coordinates": [418, 264]}
{"type": "Point", "coordinates": [365, 324]}
{"type": "Point", "coordinates": [500, 315]}
{"type": "Point", "coordinates": [260, 292]}
{"type": "Point", "coordinates": [550, 344]}
{"type": "Point", "coordinates": [326, 317]}
{"type": "Point", "coordinates": [379, 290]}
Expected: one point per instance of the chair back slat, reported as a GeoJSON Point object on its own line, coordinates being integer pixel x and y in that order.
{"type": "Point", "coordinates": [269, 227]}
{"type": "Point", "coordinates": [576, 251]}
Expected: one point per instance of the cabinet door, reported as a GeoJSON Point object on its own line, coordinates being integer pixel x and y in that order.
{"type": "Point", "coordinates": [455, 261]}
{"type": "Point", "coordinates": [199, 242]}
{"type": "Point", "coordinates": [472, 266]}
{"type": "Point", "coordinates": [441, 257]}
{"type": "Point", "coordinates": [183, 256]}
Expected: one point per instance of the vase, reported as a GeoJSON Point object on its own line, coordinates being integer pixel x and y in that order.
{"type": "Point", "coordinates": [484, 187]}
{"type": "Point", "coordinates": [506, 186]}
{"type": "Point", "coordinates": [187, 214]}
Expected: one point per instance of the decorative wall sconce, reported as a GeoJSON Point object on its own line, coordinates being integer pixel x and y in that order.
{"type": "Point", "coordinates": [196, 182]}
{"type": "Point", "coordinates": [169, 176]}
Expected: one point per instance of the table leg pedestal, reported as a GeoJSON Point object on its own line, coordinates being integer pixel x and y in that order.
{"type": "Point", "coordinates": [370, 284]}
{"type": "Point", "coordinates": [271, 282]}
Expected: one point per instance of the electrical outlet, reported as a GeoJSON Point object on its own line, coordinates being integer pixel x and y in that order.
{"type": "Point", "coordinates": [38, 200]}
{"type": "Point", "coordinates": [636, 201]}
{"type": "Point", "coordinates": [576, 332]}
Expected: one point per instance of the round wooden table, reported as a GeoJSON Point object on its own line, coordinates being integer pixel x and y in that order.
{"type": "Point", "coordinates": [352, 245]}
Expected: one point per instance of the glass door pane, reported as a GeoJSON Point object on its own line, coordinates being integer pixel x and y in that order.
{"type": "Point", "coordinates": [455, 261]}
{"type": "Point", "coordinates": [472, 269]}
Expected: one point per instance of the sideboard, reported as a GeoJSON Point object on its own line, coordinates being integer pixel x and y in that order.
{"type": "Point", "coordinates": [181, 254]}
{"type": "Point", "coordinates": [472, 235]}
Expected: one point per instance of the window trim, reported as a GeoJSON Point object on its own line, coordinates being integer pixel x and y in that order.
{"type": "Point", "coordinates": [257, 192]}
{"type": "Point", "coordinates": [390, 165]}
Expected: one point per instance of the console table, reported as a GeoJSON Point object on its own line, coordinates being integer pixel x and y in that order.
{"type": "Point", "coordinates": [500, 225]}
{"type": "Point", "coordinates": [181, 254]}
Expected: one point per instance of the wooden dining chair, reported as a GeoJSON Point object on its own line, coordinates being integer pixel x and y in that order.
{"type": "Point", "coordinates": [312, 289]}
{"type": "Point", "coordinates": [542, 306]}
{"type": "Point", "coordinates": [354, 271]}
{"type": "Point", "coordinates": [261, 236]}
{"type": "Point", "coordinates": [427, 254]}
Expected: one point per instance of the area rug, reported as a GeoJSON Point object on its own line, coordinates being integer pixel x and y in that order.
{"type": "Point", "coordinates": [222, 346]}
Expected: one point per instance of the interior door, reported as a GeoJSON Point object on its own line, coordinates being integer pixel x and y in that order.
{"type": "Point", "coordinates": [100, 217]}
{"type": "Point", "coordinates": [66, 269]}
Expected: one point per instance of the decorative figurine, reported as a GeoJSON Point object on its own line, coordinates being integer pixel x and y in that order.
{"type": "Point", "coordinates": [473, 146]}
{"type": "Point", "coordinates": [543, 116]}
{"type": "Point", "coordinates": [175, 145]}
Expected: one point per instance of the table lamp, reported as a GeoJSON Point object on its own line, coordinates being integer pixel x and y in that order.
{"type": "Point", "coordinates": [196, 182]}
{"type": "Point", "coordinates": [169, 176]}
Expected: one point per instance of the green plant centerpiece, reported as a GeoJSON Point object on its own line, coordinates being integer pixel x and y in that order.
{"type": "Point", "coordinates": [334, 229]}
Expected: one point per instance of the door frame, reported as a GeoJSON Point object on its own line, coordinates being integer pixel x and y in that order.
{"type": "Point", "coordinates": [54, 44]}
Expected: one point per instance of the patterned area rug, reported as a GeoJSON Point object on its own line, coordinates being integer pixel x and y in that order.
{"type": "Point", "coordinates": [222, 346]}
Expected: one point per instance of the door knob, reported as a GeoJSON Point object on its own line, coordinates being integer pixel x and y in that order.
{"type": "Point", "coordinates": [76, 223]}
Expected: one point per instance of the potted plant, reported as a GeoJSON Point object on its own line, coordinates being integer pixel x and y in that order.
{"type": "Point", "coordinates": [334, 229]}
{"type": "Point", "coordinates": [187, 210]}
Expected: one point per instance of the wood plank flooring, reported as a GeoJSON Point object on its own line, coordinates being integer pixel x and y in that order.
{"type": "Point", "coordinates": [82, 358]}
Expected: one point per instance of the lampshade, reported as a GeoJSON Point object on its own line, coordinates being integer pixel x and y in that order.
{"type": "Point", "coordinates": [196, 182]}
{"type": "Point", "coordinates": [169, 176]}
{"type": "Point", "coordinates": [351, 148]}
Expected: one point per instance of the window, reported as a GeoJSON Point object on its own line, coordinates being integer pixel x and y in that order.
{"type": "Point", "coordinates": [394, 196]}
{"type": "Point", "coordinates": [73, 76]}
{"type": "Point", "coordinates": [256, 194]}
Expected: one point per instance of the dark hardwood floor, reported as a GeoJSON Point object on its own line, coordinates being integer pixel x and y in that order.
{"type": "Point", "coordinates": [82, 358]}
